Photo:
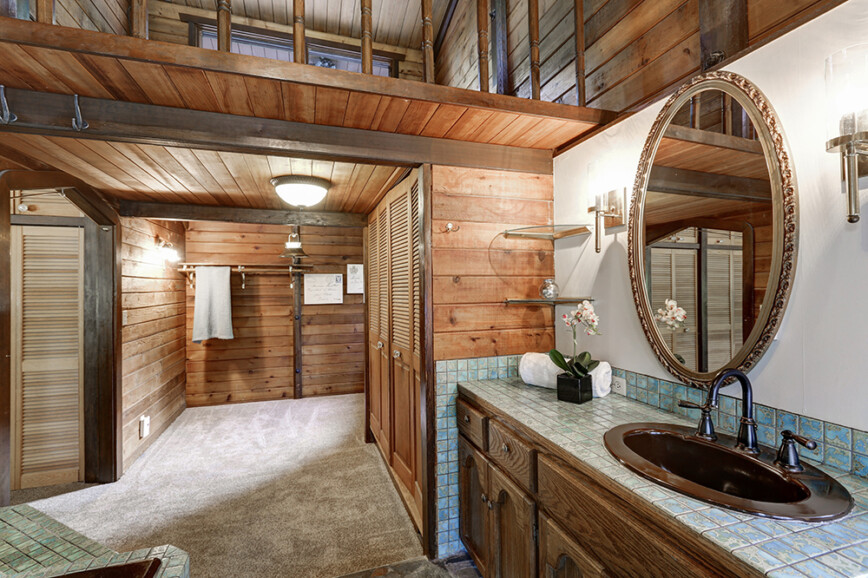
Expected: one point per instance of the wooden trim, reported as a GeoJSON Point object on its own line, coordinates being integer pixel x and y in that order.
{"type": "Point", "coordinates": [46, 221]}
{"type": "Point", "coordinates": [45, 113]}
{"type": "Point", "coordinates": [444, 26]}
{"type": "Point", "coordinates": [224, 25]}
{"type": "Point", "coordinates": [5, 341]}
{"type": "Point", "coordinates": [580, 53]}
{"type": "Point", "coordinates": [367, 38]}
{"type": "Point", "coordinates": [482, 39]}
{"type": "Point", "coordinates": [533, 38]}
{"type": "Point", "coordinates": [179, 212]}
{"type": "Point", "coordinates": [369, 435]}
{"type": "Point", "coordinates": [428, 42]}
{"type": "Point", "coordinates": [428, 394]}
{"type": "Point", "coordinates": [297, 360]}
{"type": "Point", "coordinates": [139, 18]}
{"type": "Point", "coordinates": [299, 50]}
{"type": "Point", "coordinates": [45, 11]}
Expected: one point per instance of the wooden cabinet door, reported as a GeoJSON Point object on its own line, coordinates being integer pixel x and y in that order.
{"type": "Point", "coordinates": [375, 383]}
{"type": "Point", "coordinates": [384, 350]}
{"type": "Point", "coordinates": [512, 543]}
{"type": "Point", "coordinates": [473, 504]}
{"type": "Point", "coordinates": [401, 314]}
{"type": "Point", "coordinates": [561, 556]}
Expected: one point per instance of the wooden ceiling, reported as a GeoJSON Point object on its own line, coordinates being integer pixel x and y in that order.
{"type": "Point", "coordinates": [203, 177]}
{"type": "Point", "coordinates": [395, 22]}
{"type": "Point", "coordinates": [63, 60]}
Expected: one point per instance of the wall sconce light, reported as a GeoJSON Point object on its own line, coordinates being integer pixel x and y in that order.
{"type": "Point", "coordinates": [300, 191]}
{"type": "Point", "coordinates": [292, 249]}
{"type": "Point", "coordinates": [166, 250]}
{"type": "Point", "coordinates": [847, 116]}
{"type": "Point", "coordinates": [608, 212]}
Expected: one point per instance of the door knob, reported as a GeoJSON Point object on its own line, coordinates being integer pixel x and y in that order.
{"type": "Point", "coordinates": [380, 345]}
{"type": "Point", "coordinates": [466, 418]}
{"type": "Point", "coordinates": [504, 448]}
{"type": "Point", "coordinates": [396, 354]}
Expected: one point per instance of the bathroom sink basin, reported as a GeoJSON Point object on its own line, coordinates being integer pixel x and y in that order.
{"type": "Point", "coordinates": [716, 473]}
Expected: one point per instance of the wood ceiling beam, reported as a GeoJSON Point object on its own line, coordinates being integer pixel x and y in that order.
{"type": "Point", "coordinates": [713, 139]}
{"type": "Point", "coordinates": [708, 185]}
{"type": "Point", "coordinates": [180, 212]}
{"type": "Point", "coordinates": [75, 41]}
{"type": "Point", "coordinates": [49, 114]}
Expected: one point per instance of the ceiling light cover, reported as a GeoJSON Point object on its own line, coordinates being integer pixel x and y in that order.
{"type": "Point", "coordinates": [301, 191]}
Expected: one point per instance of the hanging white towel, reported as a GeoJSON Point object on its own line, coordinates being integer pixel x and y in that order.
{"type": "Point", "coordinates": [212, 315]}
{"type": "Point", "coordinates": [538, 369]}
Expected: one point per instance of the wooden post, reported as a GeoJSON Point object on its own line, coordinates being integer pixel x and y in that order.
{"type": "Point", "coordinates": [45, 11]}
{"type": "Point", "coordinates": [500, 42]}
{"type": "Point", "coordinates": [367, 38]}
{"type": "Point", "coordinates": [224, 25]}
{"type": "Point", "coordinates": [581, 93]}
{"type": "Point", "coordinates": [723, 30]}
{"type": "Point", "coordinates": [482, 37]}
{"type": "Point", "coordinates": [299, 50]}
{"type": "Point", "coordinates": [139, 18]}
{"type": "Point", "coordinates": [533, 36]}
{"type": "Point", "coordinates": [427, 42]}
{"type": "Point", "coordinates": [297, 352]}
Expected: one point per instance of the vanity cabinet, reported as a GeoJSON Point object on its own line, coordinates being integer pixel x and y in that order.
{"type": "Point", "coordinates": [497, 519]}
{"type": "Point", "coordinates": [528, 508]}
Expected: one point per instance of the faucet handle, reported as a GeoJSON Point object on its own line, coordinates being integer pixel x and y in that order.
{"type": "Point", "coordinates": [788, 455]}
{"type": "Point", "coordinates": [705, 430]}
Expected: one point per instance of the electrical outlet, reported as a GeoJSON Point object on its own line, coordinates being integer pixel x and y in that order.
{"type": "Point", "coordinates": [619, 385]}
{"type": "Point", "coordinates": [144, 426]}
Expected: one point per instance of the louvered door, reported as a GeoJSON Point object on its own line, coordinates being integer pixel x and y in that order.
{"type": "Point", "coordinates": [385, 363]}
{"type": "Point", "coordinates": [416, 238]}
{"type": "Point", "coordinates": [401, 281]}
{"type": "Point", "coordinates": [47, 365]}
{"type": "Point", "coordinates": [674, 276]}
{"type": "Point", "coordinates": [375, 384]}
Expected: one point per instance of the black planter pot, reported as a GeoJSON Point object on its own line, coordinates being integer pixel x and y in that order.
{"type": "Point", "coordinates": [574, 389]}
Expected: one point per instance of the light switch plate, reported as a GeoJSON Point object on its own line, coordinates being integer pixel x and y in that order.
{"type": "Point", "coordinates": [619, 385]}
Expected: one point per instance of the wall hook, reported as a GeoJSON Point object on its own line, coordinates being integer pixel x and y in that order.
{"type": "Point", "coordinates": [78, 123]}
{"type": "Point", "coordinates": [452, 228]}
{"type": "Point", "coordinates": [243, 277]}
{"type": "Point", "coordinates": [6, 115]}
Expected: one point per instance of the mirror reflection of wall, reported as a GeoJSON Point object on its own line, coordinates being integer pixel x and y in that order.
{"type": "Point", "coordinates": [709, 229]}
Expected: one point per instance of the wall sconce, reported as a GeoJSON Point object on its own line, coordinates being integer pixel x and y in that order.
{"type": "Point", "coordinates": [608, 212]}
{"type": "Point", "coordinates": [847, 116]}
{"type": "Point", "coordinates": [166, 250]}
{"type": "Point", "coordinates": [292, 248]}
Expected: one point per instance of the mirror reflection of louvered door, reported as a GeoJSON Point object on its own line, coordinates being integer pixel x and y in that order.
{"type": "Point", "coordinates": [47, 365]}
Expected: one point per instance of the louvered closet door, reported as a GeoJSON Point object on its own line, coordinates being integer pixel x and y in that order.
{"type": "Point", "coordinates": [416, 222]}
{"type": "Point", "coordinates": [401, 279]}
{"type": "Point", "coordinates": [674, 276]}
{"type": "Point", "coordinates": [47, 409]}
{"type": "Point", "coordinates": [385, 359]}
{"type": "Point", "coordinates": [374, 343]}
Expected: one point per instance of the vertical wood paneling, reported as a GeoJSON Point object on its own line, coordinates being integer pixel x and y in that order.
{"type": "Point", "coordinates": [476, 269]}
{"type": "Point", "coordinates": [153, 333]}
{"type": "Point", "coordinates": [257, 365]}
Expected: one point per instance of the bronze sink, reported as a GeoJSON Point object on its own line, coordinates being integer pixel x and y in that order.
{"type": "Point", "coordinates": [714, 472]}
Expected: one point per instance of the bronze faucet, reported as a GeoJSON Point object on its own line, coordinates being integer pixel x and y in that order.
{"type": "Point", "coordinates": [747, 438]}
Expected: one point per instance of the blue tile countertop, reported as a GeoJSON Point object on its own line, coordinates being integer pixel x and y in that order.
{"type": "Point", "coordinates": [779, 548]}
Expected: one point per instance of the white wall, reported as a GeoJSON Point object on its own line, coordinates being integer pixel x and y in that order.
{"type": "Point", "coordinates": [818, 366]}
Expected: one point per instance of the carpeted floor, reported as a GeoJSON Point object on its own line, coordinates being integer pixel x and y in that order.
{"type": "Point", "coordinates": [285, 488]}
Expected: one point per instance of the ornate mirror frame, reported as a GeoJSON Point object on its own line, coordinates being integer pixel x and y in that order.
{"type": "Point", "coordinates": [785, 223]}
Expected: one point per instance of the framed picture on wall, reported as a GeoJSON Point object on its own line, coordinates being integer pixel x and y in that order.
{"type": "Point", "coordinates": [355, 279]}
{"type": "Point", "coordinates": [323, 288]}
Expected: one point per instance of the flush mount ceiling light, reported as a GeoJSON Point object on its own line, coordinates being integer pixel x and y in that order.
{"type": "Point", "coordinates": [301, 191]}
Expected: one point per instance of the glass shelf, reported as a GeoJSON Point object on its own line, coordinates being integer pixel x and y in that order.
{"type": "Point", "coordinates": [549, 232]}
{"type": "Point", "coordinates": [558, 301]}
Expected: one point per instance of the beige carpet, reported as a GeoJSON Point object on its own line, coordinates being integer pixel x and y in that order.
{"type": "Point", "coordinates": [284, 488]}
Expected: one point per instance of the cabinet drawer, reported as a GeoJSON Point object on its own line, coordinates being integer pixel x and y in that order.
{"type": "Point", "coordinates": [512, 454]}
{"type": "Point", "coordinates": [471, 422]}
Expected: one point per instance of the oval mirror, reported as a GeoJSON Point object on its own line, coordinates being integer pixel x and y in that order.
{"type": "Point", "coordinates": [713, 228]}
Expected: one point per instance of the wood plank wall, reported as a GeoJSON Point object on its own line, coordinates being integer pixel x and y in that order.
{"type": "Point", "coordinates": [633, 48]}
{"type": "Point", "coordinates": [153, 333]}
{"type": "Point", "coordinates": [109, 16]}
{"type": "Point", "coordinates": [476, 268]}
{"type": "Point", "coordinates": [333, 336]}
{"type": "Point", "coordinates": [259, 363]}
{"type": "Point", "coordinates": [165, 24]}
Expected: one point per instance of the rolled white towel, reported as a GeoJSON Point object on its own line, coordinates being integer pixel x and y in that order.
{"type": "Point", "coordinates": [602, 379]}
{"type": "Point", "coordinates": [537, 369]}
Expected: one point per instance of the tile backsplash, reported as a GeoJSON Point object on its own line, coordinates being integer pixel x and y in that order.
{"type": "Point", "coordinates": [838, 446]}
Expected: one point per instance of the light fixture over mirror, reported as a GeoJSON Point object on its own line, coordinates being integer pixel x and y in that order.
{"type": "Point", "coordinates": [299, 190]}
{"type": "Point", "coordinates": [713, 228]}
{"type": "Point", "coordinates": [847, 116]}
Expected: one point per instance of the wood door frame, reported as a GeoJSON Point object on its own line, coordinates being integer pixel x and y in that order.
{"type": "Point", "coordinates": [103, 314]}
{"type": "Point", "coordinates": [427, 396]}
